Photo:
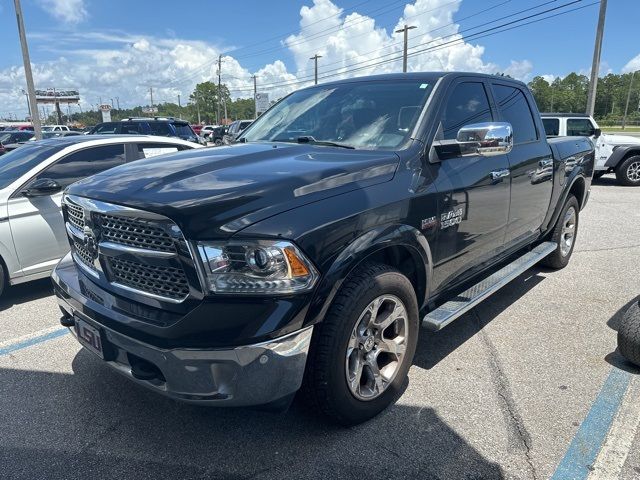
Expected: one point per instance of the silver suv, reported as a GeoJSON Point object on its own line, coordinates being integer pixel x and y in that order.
{"type": "Point", "coordinates": [32, 178]}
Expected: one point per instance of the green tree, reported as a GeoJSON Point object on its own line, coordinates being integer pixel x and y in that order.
{"type": "Point", "coordinates": [204, 99]}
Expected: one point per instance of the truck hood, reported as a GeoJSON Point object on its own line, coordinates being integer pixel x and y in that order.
{"type": "Point", "coordinates": [214, 192]}
{"type": "Point", "coordinates": [614, 139]}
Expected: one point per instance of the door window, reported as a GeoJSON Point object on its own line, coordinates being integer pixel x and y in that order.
{"type": "Point", "coordinates": [131, 128]}
{"type": "Point", "coordinates": [147, 150]}
{"type": "Point", "coordinates": [161, 129]}
{"type": "Point", "coordinates": [551, 126]}
{"type": "Point", "coordinates": [467, 104]}
{"type": "Point", "coordinates": [580, 127]}
{"type": "Point", "coordinates": [515, 110]}
{"type": "Point", "coordinates": [84, 163]}
{"type": "Point", "coordinates": [108, 127]}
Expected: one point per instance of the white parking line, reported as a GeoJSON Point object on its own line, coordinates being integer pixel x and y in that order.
{"type": "Point", "coordinates": [614, 452]}
{"type": "Point", "coordinates": [18, 343]}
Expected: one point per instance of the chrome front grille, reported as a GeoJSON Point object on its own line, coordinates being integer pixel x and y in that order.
{"type": "Point", "coordinates": [129, 250]}
{"type": "Point", "coordinates": [163, 281]}
{"type": "Point", "coordinates": [135, 233]}
{"type": "Point", "coordinates": [75, 216]}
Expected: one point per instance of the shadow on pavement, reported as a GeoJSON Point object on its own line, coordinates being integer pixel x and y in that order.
{"type": "Point", "coordinates": [95, 424]}
{"type": "Point", "coordinates": [433, 347]}
{"type": "Point", "coordinates": [25, 292]}
{"type": "Point", "coordinates": [615, 358]}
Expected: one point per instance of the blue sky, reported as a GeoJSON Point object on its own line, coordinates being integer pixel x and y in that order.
{"type": "Point", "coordinates": [119, 48]}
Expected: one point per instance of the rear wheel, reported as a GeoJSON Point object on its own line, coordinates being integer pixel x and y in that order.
{"type": "Point", "coordinates": [564, 234]}
{"type": "Point", "coordinates": [361, 352]}
{"type": "Point", "coordinates": [629, 334]}
{"type": "Point", "coordinates": [628, 171]}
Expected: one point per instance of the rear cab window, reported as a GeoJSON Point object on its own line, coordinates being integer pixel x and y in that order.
{"type": "Point", "coordinates": [515, 109]}
{"type": "Point", "coordinates": [160, 129]}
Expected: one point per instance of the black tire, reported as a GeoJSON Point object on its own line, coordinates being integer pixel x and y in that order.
{"type": "Point", "coordinates": [629, 334]}
{"type": "Point", "coordinates": [628, 171]}
{"type": "Point", "coordinates": [599, 174]}
{"type": "Point", "coordinates": [325, 386]}
{"type": "Point", "coordinates": [559, 258]}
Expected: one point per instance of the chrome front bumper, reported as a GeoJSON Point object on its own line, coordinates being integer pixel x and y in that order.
{"type": "Point", "coordinates": [246, 375]}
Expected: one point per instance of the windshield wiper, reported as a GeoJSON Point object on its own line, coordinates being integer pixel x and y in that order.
{"type": "Point", "coordinates": [313, 141]}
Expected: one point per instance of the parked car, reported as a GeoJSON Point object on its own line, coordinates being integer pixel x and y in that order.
{"type": "Point", "coordinates": [217, 135]}
{"type": "Point", "coordinates": [197, 128]}
{"type": "Point", "coordinates": [619, 154]}
{"type": "Point", "coordinates": [206, 130]}
{"type": "Point", "coordinates": [11, 137]}
{"type": "Point", "coordinates": [55, 128]}
{"type": "Point", "coordinates": [159, 126]}
{"type": "Point", "coordinates": [235, 129]}
{"type": "Point", "coordinates": [310, 252]}
{"type": "Point", "coordinates": [32, 178]}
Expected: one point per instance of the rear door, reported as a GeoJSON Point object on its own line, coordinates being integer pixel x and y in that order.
{"type": "Point", "coordinates": [530, 163]}
{"type": "Point", "coordinates": [36, 223]}
{"type": "Point", "coordinates": [473, 191]}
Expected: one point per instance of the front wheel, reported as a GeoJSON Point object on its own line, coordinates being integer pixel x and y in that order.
{"type": "Point", "coordinates": [361, 353]}
{"type": "Point", "coordinates": [564, 234]}
{"type": "Point", "coordinates": [628, 172]}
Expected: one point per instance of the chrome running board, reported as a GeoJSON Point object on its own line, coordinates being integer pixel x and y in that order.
{"type": "Point", "coordinates": [465, 301]}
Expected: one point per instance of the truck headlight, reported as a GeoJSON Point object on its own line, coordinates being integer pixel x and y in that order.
{"type": "Point", "coordinates": [258, 267]}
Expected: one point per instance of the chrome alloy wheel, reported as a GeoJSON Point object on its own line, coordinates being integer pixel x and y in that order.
{"type": "Point", "coordinates": [568, 231]}
{"type": "Point", "coordinates": [376, 347]}
{"type": "Point", "coordinates": [633, 171]}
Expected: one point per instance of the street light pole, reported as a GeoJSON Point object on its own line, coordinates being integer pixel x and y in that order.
{"type": "Point", "coordinates": [255, 99]}
{"type": "Point", "coordinates": [595, 65]}
{"type": "Point", "coordinates": [27, 98]}
{"type": "Point", "coordinates": [626, 105]}
{"type": "Point", "coordinates": [33, 105]}
{"type": "Point", "coordinates": [315, 59]}
{"type": "Point", "coordinates": [218, 119]}
{"type": "Point", "coordinates": [405, 30]}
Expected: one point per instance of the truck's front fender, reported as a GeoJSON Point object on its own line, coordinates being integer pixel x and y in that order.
{"type": "Point", "coordinates": [365, 247]}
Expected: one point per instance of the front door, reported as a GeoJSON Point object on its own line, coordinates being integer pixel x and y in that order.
{"type": "Point", "coordinates": [473, 192]}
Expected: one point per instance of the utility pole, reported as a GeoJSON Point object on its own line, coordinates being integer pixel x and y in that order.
{"type": "Point", "coordinates": [595, 65]}
{"type": "Point", "coordinates": [626, 105]}
{"type": "Point", "coordinates": [27, 98]}
{"type": "Point", "coordinates": [405, 30]}
{"type": "Point", "coordinates": [179, 106]}
{"type": "Point", "coordinates": [151, 94]}
{"type": "Point", "coordinates": [315, 59]}
{"type": "Point", "coordinates": [118, 102]}
{"type": "Point", "coordinates": [218, 119]}
{"type": "Point", "coordinates": [255, 98]}
{"type": "Point", "coordinates": [33, 105]}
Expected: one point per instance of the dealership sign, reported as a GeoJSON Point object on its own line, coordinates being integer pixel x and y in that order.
{"type": "Point", "coordinates": [105, 108]}
{"type": "Point", "coordinates": [262, 102]}
{"type": "Point", "coordinates": [59, 95]}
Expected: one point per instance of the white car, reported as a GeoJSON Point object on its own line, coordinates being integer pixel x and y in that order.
{"type": "Point", "coordinates": [55, 128]}
{"type": "Point", "coordinates": [614, 153]}
{"type": "Point", "coordinates": [32, 178]}
{"type": "Point", "coordinates": [207, 129]}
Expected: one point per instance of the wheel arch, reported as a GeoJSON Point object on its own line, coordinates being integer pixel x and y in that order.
{"type": "Point", "coordinates": [620, 154]}
{"type": "Point", "coordinates": [400, 246]}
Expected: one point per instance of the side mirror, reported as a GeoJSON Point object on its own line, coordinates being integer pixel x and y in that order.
{"type": "Point", "coordinates": [597, 132]}
{"type": "Point", "coordinates": [42, 187]}
{"type": "Point", "coordinates": [488, 139]}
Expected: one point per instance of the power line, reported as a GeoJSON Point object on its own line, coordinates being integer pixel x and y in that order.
{"type": "Point", "coordinates": [436, 47]}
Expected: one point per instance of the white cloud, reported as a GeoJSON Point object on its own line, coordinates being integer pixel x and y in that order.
{"type": "Point", "coordinates": [67, 11]}
{"type": "Point", "coordinates": [113, 63]}
{"type": "Point", "coordinates": [632, 65]}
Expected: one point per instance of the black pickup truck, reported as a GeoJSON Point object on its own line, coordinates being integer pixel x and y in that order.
{"type": "Point", "coordinates": [307, 255]}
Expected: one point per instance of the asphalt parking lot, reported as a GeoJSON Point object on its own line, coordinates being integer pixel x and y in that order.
{"type": "Point", "coordinates": [524, 386]}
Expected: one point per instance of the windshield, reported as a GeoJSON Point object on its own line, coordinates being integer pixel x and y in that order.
{"type": "Point", "coordinates": [47, 129]}
{"type": "Point", "coordinates": [365, 115]}
{"type": "Point", "coordinates": [19, 161]}
{"type": "Point", "coordinates": [183, 130]}
{"type": "Point", "coordinates": [4, 137]}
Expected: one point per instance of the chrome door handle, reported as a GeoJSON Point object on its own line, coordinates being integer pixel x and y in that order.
{"type": "Point", "coordinates": [498, 174]}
